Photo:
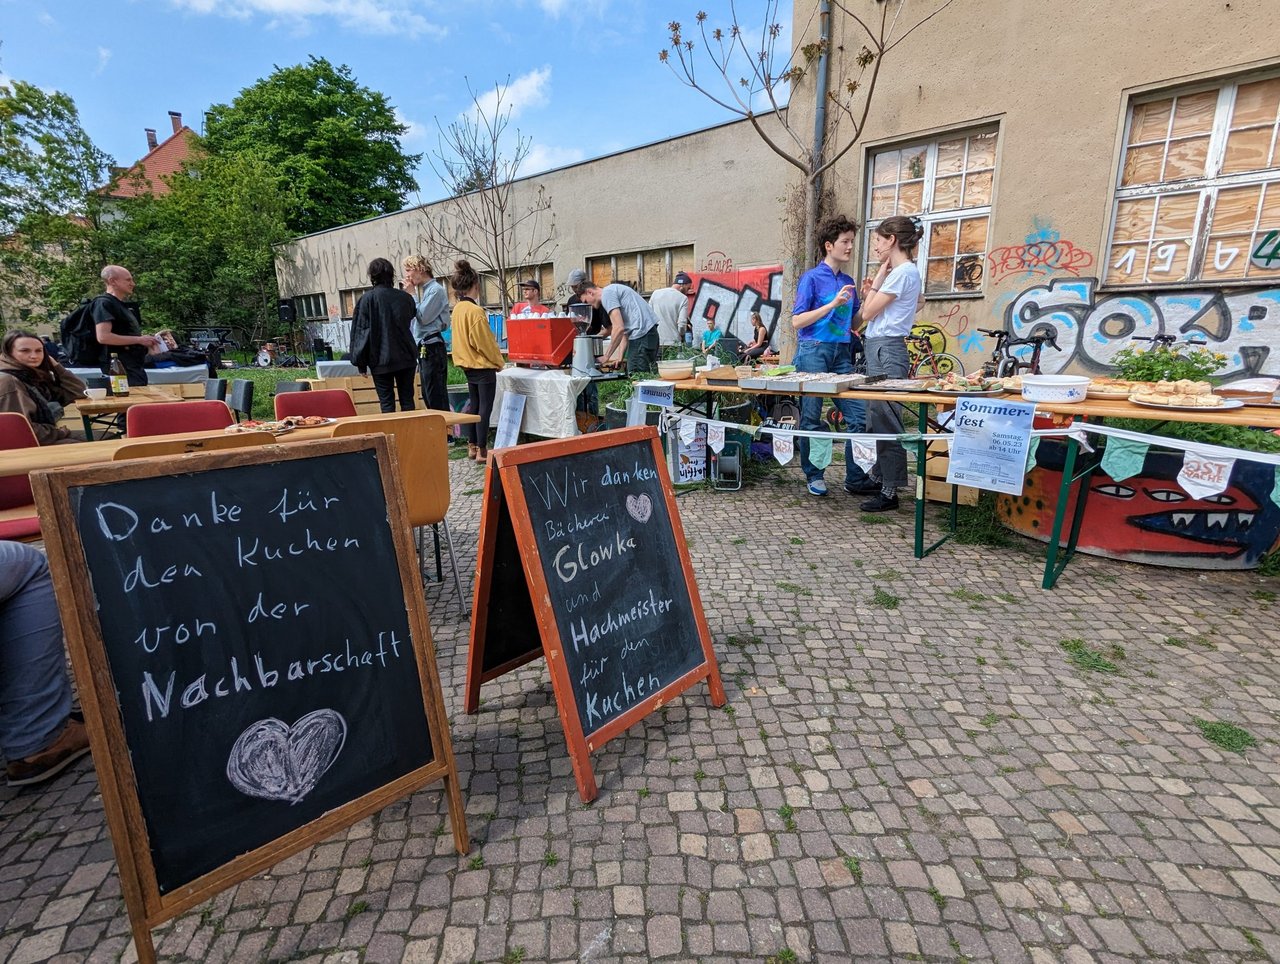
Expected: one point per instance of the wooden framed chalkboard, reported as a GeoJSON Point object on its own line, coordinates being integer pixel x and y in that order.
{"type": "Point", "coordinates": [253, 654]}
{"type": "Point", "coordinates": [583, 558]}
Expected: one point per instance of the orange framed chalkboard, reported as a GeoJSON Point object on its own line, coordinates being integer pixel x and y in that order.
{"type": "Point", "coordinates": [253, 655]}
{"type": "Point", "coordinates": [583, 559]}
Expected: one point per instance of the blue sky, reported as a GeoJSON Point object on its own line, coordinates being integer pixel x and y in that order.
{"type": "Point", "coordinates": [584, 74]}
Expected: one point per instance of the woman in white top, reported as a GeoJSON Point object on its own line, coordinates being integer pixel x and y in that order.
{"type": "Point", "coordinates": [890, 301]}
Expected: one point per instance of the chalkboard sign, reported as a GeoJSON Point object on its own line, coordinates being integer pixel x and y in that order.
{"type": "Point", "coordinates": [583, 536]}
{"type": "Point", "coordinates": [257, 645]}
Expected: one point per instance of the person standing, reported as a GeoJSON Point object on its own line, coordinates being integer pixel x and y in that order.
{"type": "Point", "coordinates": [40, 734]}
{"type": "Point", "coordinates": [531, 292]}
{"type": "Point", "coordinates": [671, 305]}
{"type": "Point", "coordinates": [826, 301]}
{"type": "Point", "coordinates": [577, 283]}
{"type": "Point", "coordinates": [633, 324]}
{"type": "Point", "coordinates": [892, 299]}
{"type": "Point", "coordinates": [381, 338]}
{"type": "Point", "coordinates": [118, 328]}
{"type": "Point", "coordinates": [430, 322]}
{"type": "Point", "coordinates": [476, 352]}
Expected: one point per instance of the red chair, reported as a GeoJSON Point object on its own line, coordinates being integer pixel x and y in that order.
{"type": "Point", "coordinates": [168, 418]}
{"type": "Point", "coordinates": [18, 520]}
{"type": "Point", "coordinates": [327, 403]}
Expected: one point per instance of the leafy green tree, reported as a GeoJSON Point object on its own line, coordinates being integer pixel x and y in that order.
{"type": "Point", "coordinates": [49, 210]}
{"type": "Point", "coordinates": [336, 142]}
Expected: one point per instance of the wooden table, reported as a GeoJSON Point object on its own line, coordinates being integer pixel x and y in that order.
{"type": "Point", "coordinates": [1058, 554]}
{"type": "Point", "coordinates": [23, 461]}
{"type": "Point", "coordinates": [107, 411]}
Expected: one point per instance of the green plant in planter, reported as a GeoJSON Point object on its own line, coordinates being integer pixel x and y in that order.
{"type": "Point", "coordinates": [1167, 363]}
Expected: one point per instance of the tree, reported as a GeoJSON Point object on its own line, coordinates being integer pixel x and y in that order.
{"type": "Point", "coordinates": [49, 210]}
{"type": "Point", "coordinates": [337, 143]}
{"type": "Point", "coordinates": [203, 252]}
{"type": "Point", "coordinates": [484, 219]}
{"type": "Point", "coordinates": [758, 79]}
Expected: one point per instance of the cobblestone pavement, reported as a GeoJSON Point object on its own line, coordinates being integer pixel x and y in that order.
{"type": "Point", "coordinates": [910, 766]}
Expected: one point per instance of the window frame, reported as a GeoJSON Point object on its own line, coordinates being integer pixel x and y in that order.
{"type": "Point", "coordinates": [927, 216]}
{"type": "Point", "coordinates": [316, 301]}
{"type": "Point", "coordinates": [353, 295]}
{"type": "Point", "coordinates": [644, 285]}
{"type": "Point", "coordinates": [1207, 186]}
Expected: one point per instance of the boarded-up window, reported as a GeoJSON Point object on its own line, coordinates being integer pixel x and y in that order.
{"type": "Point", "coordinates": [947, 183]}
{"type": "Point", "coordinates": [646, 271]}
{"type": "Point", "coordinates": [348, 298]}
{"type": "Point", "coordinates": [1198, 193]}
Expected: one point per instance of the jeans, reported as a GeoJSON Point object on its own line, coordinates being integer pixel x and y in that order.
{"type": "Point", "coordinates": [888, 356]}
{"type": "Point", "coordinates": [390, 385]}
{"type": "Point", "coordinates": [828, 356]}
{"type": "Point", "coordinates": [35, 694]}
{"type": "Point", "coordinates": [433, 369]}
{"type": "Point", "coordinates": [483, 385]}
{"type": "Point", "coordinates": [642, 353]}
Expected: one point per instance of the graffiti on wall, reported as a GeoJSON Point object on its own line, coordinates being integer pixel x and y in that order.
{"type": "Point", "coordinates": [729, 297]}
{"type": "Point", "coordinates": [1092, 327]}
{"type": "Point", "coordinates": [1044, 252]}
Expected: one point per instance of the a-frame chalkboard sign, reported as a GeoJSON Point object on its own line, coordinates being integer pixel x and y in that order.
{"type": "Point", "coordinates": [583, 558]}
{"type": "Point", "coordinates": [253, 655]}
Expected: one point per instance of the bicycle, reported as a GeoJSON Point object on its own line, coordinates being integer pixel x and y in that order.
{"type": "Point", "coordinates": [1003, 362]}
{"type": "Point", "coordinates": [929, 362]}
{"type": "Point", "coordinates": [1168, 341]}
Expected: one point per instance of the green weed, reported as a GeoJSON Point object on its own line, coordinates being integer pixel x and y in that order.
{"type": "Point", "coordinates": [1087, 658]}
{"type": "Point", "coordinates": [786, 813]}
{"type": "Point", "coordinates": [1226, 735]}
{"type": "Point", "coordinates": [885, 599]}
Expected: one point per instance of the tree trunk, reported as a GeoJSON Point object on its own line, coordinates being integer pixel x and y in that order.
{"type": "Point", "coordinates": [799, 264]}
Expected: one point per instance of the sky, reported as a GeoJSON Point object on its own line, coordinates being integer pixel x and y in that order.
{"type": "Point", "coordinates": [582, 76]}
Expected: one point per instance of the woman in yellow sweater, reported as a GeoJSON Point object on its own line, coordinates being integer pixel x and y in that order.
{"type": "Point", "coordinates": [475, 351]}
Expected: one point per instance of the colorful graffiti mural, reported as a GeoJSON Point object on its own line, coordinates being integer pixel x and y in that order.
{"type": "Point", "coordinates": [1092, 328]}
{"type": "Point", "coordinates": [1149, 518]}
{"type": "Point", "coordinates": [729, 297]}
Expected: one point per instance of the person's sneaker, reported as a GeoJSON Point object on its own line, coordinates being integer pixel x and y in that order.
{"type": "Point", "coordinates": [881, 503]}
{"type": "Point", "coordinates": [71, 745]}
{"type": "Point", "coordinates": [867, 487]}
{"type": "Point", "coordinates": [817, 487]}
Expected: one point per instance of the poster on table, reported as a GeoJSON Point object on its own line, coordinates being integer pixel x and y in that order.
{"type": "Point", "coordinates": [989, 450]}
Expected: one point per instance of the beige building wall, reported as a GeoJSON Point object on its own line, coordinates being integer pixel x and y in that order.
{"type": "Point", "coordinates": [1057, 80]}
{"type": "Point", "coordinates": [715, 189]}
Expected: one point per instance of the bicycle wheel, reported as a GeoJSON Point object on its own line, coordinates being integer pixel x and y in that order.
{"type": "Point", "coordinates": [945, 363]}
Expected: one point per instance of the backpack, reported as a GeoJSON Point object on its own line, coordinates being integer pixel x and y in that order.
{"type": "Point", "coordinates": [78, 337]}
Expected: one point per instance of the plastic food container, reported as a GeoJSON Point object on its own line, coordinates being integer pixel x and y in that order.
{"type": "Point", "coordinates": [1055, 388]}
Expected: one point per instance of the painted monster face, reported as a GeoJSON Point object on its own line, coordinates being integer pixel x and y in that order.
{"type": "Point", "coordinates": [1173, 521]}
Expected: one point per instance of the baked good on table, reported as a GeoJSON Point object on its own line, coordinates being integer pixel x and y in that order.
{"type": "Point", "coordinates": [1251, 389]}
{"type": "Point", "coordinates": [1183, 393]}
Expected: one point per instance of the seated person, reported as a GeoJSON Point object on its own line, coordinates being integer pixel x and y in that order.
{"type": "Point", "coordinates": [37, 387]}
{"type": "Point", "coordinates": [40, 735]}
{"type": "Point", "coordinates": [167, 354]}
{"type": "Point", "coordinates": [711, 335]}
{"type": "Point", "coordinates": [759, 338]}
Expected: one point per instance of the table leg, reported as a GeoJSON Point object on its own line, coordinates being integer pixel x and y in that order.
{"type": "Point", "coordinates": [1053, 568]}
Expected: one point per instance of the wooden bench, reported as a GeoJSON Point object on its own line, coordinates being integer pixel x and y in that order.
{"type": "Point", "coordinates": [360, 388]}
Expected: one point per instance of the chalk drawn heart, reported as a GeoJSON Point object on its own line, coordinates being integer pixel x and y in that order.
{"type": "Point", "coordinates": [639, 507]}
{"type": "Point", "coordinates": [279, 762]}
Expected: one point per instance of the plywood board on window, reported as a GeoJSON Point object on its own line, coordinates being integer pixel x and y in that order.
{"type": "Point", "coordinates": [977, 189]}
{"type": "Point", "coordinates": [884, 202]}
{"type": "Point", "coordinates": [1167, 261]}
{"type": "Point", "coordinates": [653, 274]}
{"type": "Point", "coordinates": [682, 259]}
{"type": "Point", "coordinates": [1133, 219]}
{"type": "Point", "coordinates": [884, 170]}
{"type": "Point", "coordinates": [942, 238]}
{"type": "Point", "coordinates": [1193, 114]}
{"type": "Point", "coordinates": [1248, 150]}
{"type": "Point", "coordinates": [982, 151]}
{"type": "Point", "coordinates": [1127, 264]}
{"type": "Point", "coordinates": [627, 269]}
{"type": "Point", "coordinates": [1186, 158]}
{"type": "Point", "coordinates": [1236, 209]}
{"type": "Point", "coordinates": [1226, 257]}
{"type": "Point", "coordinates": [911, 197]}
{"type": "Point", "coordinates": [1150, 121]}
{"type": "Point", "coordinates": [911, 163]}
{"type": "Point", "coordinates": [601, 271]}
{"type": "Point", "coordinates": [946, 193]}
{"type": "Point", "coordinates": [951, 156]}
{"type": "Point", "coordinates": [939, 275]}
{"type": "Point", "coordinates": [1142, 165]}
{"type": "Point", "coordinates": [973, 235]}
{"type": "Point", "coordinates": [1176, 216]}
{"type": "Point", "coordinates": [1257, 103]}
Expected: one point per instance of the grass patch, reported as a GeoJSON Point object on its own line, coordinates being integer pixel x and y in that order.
{"type": "Point", "coordinates": [550, 858]}
{"type": "Point", "coordinates": [938, 898]}
{"type": "Point", "coordinates": [1228, 736]}
{"type": "Point", "coordinates": [887, 575]}
{"type": "Point", "coordinates": [476, 862]}
{"type": "Point", "coordinates": [990, 720]}
{"type": "Point", "coordinates": [514, 956]}
{"type": "Point", "coordinates": [978, 525]}
{"type": "Point", "coordinates": [1269, 565]}
{"type": "Point", "coordinates": [793, 588]}
{"type": "Point", "coordinates": [1087, 658]}
{"type": "Point", "coordinates": [1174, 641]}
{"type": "Point", "coordinates": [854, 866]}
{"type": "Point", "coordinates": [786, 813]}
{"type": "Point", "coordinates": [479, 491]}
{"type": "Point", "coordinates": [740, 641]}
{"type": "Point", "coordinates": [1256, 944]}
{"type": "Point", "coordinates": [739, 541]}
{"type": "Point", "coordinates": [874, 519]}
{"type": "Point", "coordinates": [784, 956]}
{"type": "Point", "coordinates": [968, 595]}
{"type": "Point", "coordinates": [1263, 595]}
{"type": "Point", "coordinates": [358, 907]}
{"type": "Point", "coordinates": [885, 599]}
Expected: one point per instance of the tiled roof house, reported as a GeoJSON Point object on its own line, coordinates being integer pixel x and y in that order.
{"type": "Point", "coordinates": [163, 158]}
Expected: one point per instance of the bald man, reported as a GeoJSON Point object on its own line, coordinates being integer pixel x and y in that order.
{"type": "Point", "coordinates": [117, 327]}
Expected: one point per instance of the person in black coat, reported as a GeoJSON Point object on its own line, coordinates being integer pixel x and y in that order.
{"type": "Point", "coordinates": [381, 339]}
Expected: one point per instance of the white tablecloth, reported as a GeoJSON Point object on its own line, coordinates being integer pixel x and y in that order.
{"type": "Point", "coordinates": [162, 376]}
{"type": "Point", "coordinates": [551, 398]}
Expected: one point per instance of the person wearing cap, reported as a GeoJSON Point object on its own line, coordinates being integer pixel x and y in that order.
{"type": "Point", "coordinates": [634, 327]}
{"type": "Point", "coordinates": [531, 292]}
{"type": "Point", "coordinates": [671, 305]}
{"type": "Point", "coordinates": [576, 282]}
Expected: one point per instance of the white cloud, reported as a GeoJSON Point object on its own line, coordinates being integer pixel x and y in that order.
{"type": "Point", "coordinates": [104, 58]}
{"type": "Point", "coordinates": [529, 90]}
{"type": "Point", "coordinates": [575, 8]}
{"type": "Point", "coordinates": [416, 134]}
{"type": "Point", "coordinates": [365, 16]}
{"type": "Point", "coordinates": [543, 157]}
{"type": "Point", "coordinates": [45, 19]}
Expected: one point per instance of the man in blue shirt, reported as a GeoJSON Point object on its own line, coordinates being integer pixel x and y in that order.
{"type": "Point", "coordinates": [826, 302]}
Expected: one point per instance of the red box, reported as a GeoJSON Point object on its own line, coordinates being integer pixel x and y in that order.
{"type": "Point", "coordinates": [544, 339]}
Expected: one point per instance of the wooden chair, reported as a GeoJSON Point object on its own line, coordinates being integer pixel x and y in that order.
{"type": "Point", "coordinates": [422, 449]}
{"type": "Point", "coordinates": [185, 446]}
{"type": "Point", "coordinates": [18, 519]}
{"type": "Point", "coordinates": [330, 403]}
{"type": "Point", "coordinates": [169, 418]}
